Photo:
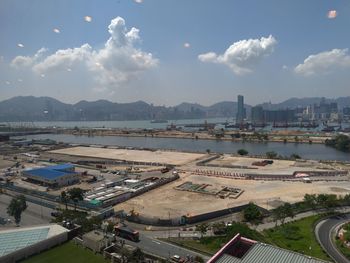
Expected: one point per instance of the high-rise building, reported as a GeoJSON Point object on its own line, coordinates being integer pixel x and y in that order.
{"type": "Point", "coordinates": [240, 109]}
{"type": "Point", "coordinates": [257, 115]}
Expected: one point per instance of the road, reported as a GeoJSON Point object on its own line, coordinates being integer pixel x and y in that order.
{"type": "Point", "coordinates": [33, 215]}
{"type": "Point", "coordinates": [324, 231]}
{"type": "Point", "coordinates": [163, 249]}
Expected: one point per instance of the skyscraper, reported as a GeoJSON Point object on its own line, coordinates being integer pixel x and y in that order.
{"type": "Point", "coordinates": [240, 109]}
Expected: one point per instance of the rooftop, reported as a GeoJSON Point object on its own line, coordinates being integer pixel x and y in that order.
{"type": "Point", "coordinates": [242, 250]}
{"type": "Point", "coordinates": [51, 172]}
{"type": "Point", "coordinates": [14, 239]}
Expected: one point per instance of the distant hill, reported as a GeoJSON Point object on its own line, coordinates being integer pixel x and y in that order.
{"type": "Point", "coordinates": [29, 108]}
{"type": "Point", "coordinates": [48, 109]}
{"type": "Point", "coordinates": [303, 102]}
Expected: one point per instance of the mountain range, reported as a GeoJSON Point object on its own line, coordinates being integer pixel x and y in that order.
{"type": "Point", "coordinates": [29, 108]}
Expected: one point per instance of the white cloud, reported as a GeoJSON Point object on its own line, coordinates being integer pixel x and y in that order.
{"type": "Point", "coordinates": [117, 62]}
{"type": "Point", "coordinates": [324, 62]}
{"type": "Point", "coordinates": [332, 14]}
{"type": "Point", "coordinates": [187, 45]}
{"type": "Point", "coordinates": [63, 58]}
{"type": "Point", "coordinates": [26, 61]}
{"type": "Point", "coordinates": [138, 1]}
{"type": "Point", "coordinates": [20, 45]}
{"type": "Point", "coordinates": [241, 56]}
{"type": "Point", "coordinates": [88, 18]}
{"type": "Point", "coordinates": [208, 57]}
{"type": "Point", "coordinates": [56, 30]}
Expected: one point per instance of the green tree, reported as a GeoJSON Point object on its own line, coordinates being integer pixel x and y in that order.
{"type": "Point", "coordinates": [277, 214]}
{"type": "Point", "coordinates": [202, 228]}
{"type": "Point", "coordinates": [282, 212]}
{"type": "Point", "coordinates": [322, 200]}
{"type": "Point", "coordinates": [346, 199]}
{"type": "Point", "coordinates": [295, 156]}
{"type": "Point", "coordinates": [340, 142]}
{"type": "Point", "coordinates": [17, 205]}
{"type": "Point", "coordinates": [219, 228]}
{"type": "Point", "coordinates": [310, 201]}
{"type": "Point", "coordinates": [242, 152]}
{"type": "Point", "coordinates": [271, 154]}
{"type": "Point", "coordinates": [331, 201]}
{"type": "Point", "coordinates": [137, 256]}
{"type": "Point", "coordinates": [64, 198]}
{"type": "Point", "coordinates": [287, 211]}
{"type": "Point", "coordinates": [76, 195]}
{"type": "Point", "coordinates": [198, 259]}
{"type": "Point", "coordinates": [252, 213]}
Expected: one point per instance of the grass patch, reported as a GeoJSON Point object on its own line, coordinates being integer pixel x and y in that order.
{"type": "Point", "coordinates": [191, 244]}
{"type": "Point", "coordinates": [343, 249]}
{"type": "Point", "coordinates": [297, 236]}
{"type": "Point", "coordinates": [210, 245]}
{"type": "Point", "coordinates": [67, 253]}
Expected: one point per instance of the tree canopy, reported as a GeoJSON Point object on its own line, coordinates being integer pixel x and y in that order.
{"type": "Point", "coordinates": [252, 213]}
{"type": "Point", "coordinates": [17, 205]}
{"type": "Point", "coordinates": [242, 152]}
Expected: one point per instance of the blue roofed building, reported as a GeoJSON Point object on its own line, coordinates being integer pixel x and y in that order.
{"type": "Point", "coordinates": [53, 176]}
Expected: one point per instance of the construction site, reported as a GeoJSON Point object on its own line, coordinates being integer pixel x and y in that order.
{"type": "Point", "coordinates": [153, 185]}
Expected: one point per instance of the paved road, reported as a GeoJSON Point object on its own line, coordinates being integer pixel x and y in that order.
{"type": "Point", "coordinates": [323, 233]}
{"type": "Point", "coordinates": [33, 215]}
{"type": "Point", "coordinates": [163, 249]}
{"type": "Point", "coordinates": [268, 225]}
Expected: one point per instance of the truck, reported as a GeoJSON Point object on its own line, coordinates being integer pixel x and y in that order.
{"type": "Point", "coordinates": [127, 233]}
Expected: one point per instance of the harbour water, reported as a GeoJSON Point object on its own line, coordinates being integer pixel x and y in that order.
{"type": "Point", "coordinates": [143, 124]}
{"type": "Point", "coordinates": [306, 151]}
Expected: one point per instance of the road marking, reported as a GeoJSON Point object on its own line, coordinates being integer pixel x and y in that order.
{"type": "Point", "coordinates": [156, 242]}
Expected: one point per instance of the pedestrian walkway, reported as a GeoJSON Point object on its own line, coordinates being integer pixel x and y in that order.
{"type": "Point", "coordinates": [272, 224]}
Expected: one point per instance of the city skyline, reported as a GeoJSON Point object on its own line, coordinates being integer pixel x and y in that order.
{"type": "Point", "coordinates": [169, 52]}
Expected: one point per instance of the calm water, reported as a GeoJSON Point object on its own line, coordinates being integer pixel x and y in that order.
{"type": "Point", "coordinates": [115, 124]}
{"type": "Point", "coordinates": [307, 151]}
{"type": "Point", "coordinates": [145, 124]}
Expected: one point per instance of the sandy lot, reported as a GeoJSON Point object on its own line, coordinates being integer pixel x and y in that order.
{"type": "Point", "coordinates": [244, 165]}
{"type": "Point", "coordinates": [174, 158]}
{"type": "Point", "coordinates": [164, 200]}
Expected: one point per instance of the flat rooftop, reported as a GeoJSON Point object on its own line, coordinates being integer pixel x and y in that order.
{"type": "Point", "coordinates": [166, 157]}
{"type": "Point", "coordinates": [51, 172]}
{"type": "Point", "coordinates": [14, 239]}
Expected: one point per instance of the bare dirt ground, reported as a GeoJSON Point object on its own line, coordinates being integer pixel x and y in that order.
{"type": "Point", "coordinates": [244, 165]}
{"type": "Point", "coordinates": [5, 163]}
{"type": "Point", "coordinates": [175, 158]}
{"type": "Point", "coordinates": [166, 200]}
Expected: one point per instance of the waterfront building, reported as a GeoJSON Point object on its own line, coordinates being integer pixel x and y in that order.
{"type": "Point", "coordinates": [257, 115]}
{"type": "Point", "coordinates": [285, 115]}
{"type": "Point", "coordinates": [346, 113]}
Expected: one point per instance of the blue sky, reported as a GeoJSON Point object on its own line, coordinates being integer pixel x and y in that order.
{"type": "Point", "coordinates": [260, 49]}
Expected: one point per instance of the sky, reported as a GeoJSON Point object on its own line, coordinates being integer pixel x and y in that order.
{"type": "Point", "coordinates": [171, 51]}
